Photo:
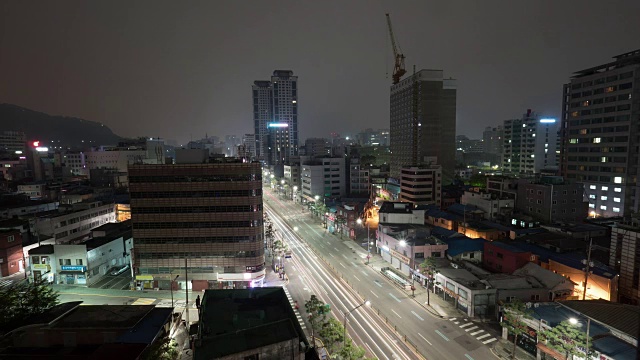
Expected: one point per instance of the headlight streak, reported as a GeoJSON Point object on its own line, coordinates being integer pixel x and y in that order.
{"type": "Point", "coordinates": [321, 286]}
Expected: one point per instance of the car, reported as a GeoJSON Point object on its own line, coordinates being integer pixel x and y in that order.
{"type": "Point", "coordinates": [119, 271]}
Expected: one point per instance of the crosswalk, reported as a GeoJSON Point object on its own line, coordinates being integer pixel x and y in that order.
{"type": "Point", "coordinates": [144, 301]}
{"type": "Point", "coordinates": [5, 283]}
{"type": "Point", "coordinates": [474, 330]}
{"type": "Point", "coordinates": [298, 316]}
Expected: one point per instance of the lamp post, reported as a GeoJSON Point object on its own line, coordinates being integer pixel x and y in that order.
{"type": "Point", "coordinates": [172, 281]}
{"type": "Point", "coordinates": [369, 242]}
{"type": "Point", "coordinates": [346, 315]}
{"type": "Point", "coordinates": [293, 193]}
{"type": "Point", "coordinates": [574, 321]}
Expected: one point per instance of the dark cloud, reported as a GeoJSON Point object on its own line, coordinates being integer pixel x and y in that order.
{"type": "Point", "coordinates": [180, 69]}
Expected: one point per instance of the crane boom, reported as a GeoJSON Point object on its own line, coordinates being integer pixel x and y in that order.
{"type": "Point", "coordinates": [398, 67]}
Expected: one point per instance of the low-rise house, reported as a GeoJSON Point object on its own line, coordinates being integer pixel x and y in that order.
{"type": "Point", "coordinates": [504, 258]}
{"type": "Point", "coordinates": [406, 246]}
{"type": "Point", "coordinates": [465, 291]}
{"type": "Point", "coordinates": [252, 323]}
{"type": "Point", "coordinates": [72, 331]}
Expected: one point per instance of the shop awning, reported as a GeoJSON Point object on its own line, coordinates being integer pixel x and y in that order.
{"type": "Point", "coordinates": [144, 277]}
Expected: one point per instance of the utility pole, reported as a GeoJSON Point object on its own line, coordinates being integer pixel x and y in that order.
{"type": "Point", "coordinates": [186, 292]}
{"type": "Point", "coordinates": [587, 267]}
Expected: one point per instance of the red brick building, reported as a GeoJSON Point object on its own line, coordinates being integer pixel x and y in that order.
{"type": "Point", "coordinates": [504, 258]}
{"type": "Point", "coordinates": [11, 258]}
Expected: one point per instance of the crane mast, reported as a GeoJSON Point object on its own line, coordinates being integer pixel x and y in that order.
{"type": "Point", "coordinates": [398, 67]}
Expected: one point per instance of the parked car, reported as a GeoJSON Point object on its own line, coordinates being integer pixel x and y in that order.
{"type": "Point", "coordinates": [117, 272]}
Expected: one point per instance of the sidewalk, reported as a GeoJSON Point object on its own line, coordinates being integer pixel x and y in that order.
{"type": "Point", "coordinates": [503, 349]}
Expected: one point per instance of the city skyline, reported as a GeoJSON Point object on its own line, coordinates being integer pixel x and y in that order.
{"type": "Point", "coordinates": [195, 70]}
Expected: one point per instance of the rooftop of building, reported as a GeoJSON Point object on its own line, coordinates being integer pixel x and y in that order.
{"type": "Point", "coordinates": [44, 318]}
{"type": "Point", "coordinates": [622, 317]}
{"type": "Point", "coordinates": [233, 321]}
{"type": "Point", "coordinates": [463, 244]}
{"type": "Point", "coordinates": [96, 242]}
{"type": "Point", "coordinates": [103, 316]}
{"type": "Point", "coordinates": [463, 277]}
{"type": "Point", "coordinates": [396, 207]}
{"type": "Point", "coordinates": [110, 228]}
{"type": "Point", "coordinates": [506, 246]}
{"type": "Point", "coordinates": [547, 278]}
{"type": "Point", "coordinates": [629, 58]}
{"type": "Point", "coordinates": [42, 250]}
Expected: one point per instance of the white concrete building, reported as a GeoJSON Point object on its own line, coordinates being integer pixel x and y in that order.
{"type": "Point", "coordinates": [490, 203]}
{"type": "Point", "coordinates": [324, 177]}
{"type": "Point", "coordinates": [74, 222]}
{"type": "Point", "coordinates": [530, 144]}
{"type": "Point", "coordinates": [400, 213]}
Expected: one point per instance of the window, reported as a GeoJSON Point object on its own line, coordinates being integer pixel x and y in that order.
{"type": "Point", "coordinates": [78, 261]}
{"type": "Point", "coordinates": [592, 196]}
{"type": "Point", "coordinates": [592, 187]}
{"type": "Point", "coordinates": [11, 238]}
{"type": "Point", "coordinates": [603, 198]}
{"type": "Point", "coordinates": [603, 207]}
{"type": "Point", "coordinates": [617, 189]}
{"type": "Point", "coordinates": [535, 297]}
{"type": "Point", "coordinates": [617, 180]}
{"type": "Point", "coordinates": [605, 188]}
{"type": "Point", "coordinates": [596, 140]}
{"type": "Point", "coordinates": [616, 199]}
{"type": "Point", "coordinates": [510, 299]}
{"type": "Point", "coordinates": [615, 209]}
{"type": "Point", "coordinates": [593, 206]}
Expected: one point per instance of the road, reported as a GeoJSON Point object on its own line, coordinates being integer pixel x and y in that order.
{"type": "Point", "coordinates": [328, 267]}
{"type": "Point", "coordinates": [118, 282]}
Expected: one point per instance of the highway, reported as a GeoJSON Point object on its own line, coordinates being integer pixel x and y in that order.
{"type": "Point", "coordinates": [335, 270]}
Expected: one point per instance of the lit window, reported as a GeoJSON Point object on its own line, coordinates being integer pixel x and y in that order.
{"type": "Point", "coordinates": [617, 189]}
{"type": "Point", "coordinates": [615, 209]}
{"type": "Point", "coordinates": [615, 199]}
{"type": "Point", "coordinates": [574, 114]}
{"type": "Point", "coordinates": [592, 196]}
{"type": "Point", "coordinates": [596, 140]}
{"type": "Point", "coordinates": [546, 145]}
{"type": "Point", "coordinates": [593, 206]}
{"type": "Point", "coordinates": [533, 156]}
{"type": "Point", "coordinates": [609, 89]}
{"type": "Point", "coordinates": [617, 180]}
{"type": "Point", "coordinates": [524, 125]}
{"type": "Point", "coordinates": [602, 207]}
{"type": "Point", "coordinates": [573, 141]}
{"type": "Point", "coordinates": [592, 187]}
{"type": "Point", "coordinates": [585, 103]}
{"type": "Point", "coordinates": [605, 188]}
{"type": "Point", "coordinates": [583, 131]}
{"type": "Point", "coordinates": [604, 159]}
{"type": "Point", "coordinates": [603, 198]}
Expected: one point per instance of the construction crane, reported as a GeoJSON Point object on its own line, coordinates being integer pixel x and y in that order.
{"type": "Point", "coordinates": [398, 67]}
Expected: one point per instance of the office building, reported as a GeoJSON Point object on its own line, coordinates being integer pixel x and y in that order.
{"type": "Point", "coordinates": [358, 178]}
{"type": "Point", "coordinates": [552, 199]}
{"type": "Point", "coordinates": [248, 149]}
{"type": "Point", "coordinates": [370, 137]}
{"type": "Point", "coordinates": [323, 177]}
{"type": "Point", "coordinates": [13, 142]}
{"type": "Point", "coordinates": [207, 217]}
{"type": "Point", "coordinates": [316, 147]}
{"type": "Point", "coordinates": [600, 134]}
{"type": "Point", "coordinates": [276, 101]}
{"type": "Point", "coordinates": [492, 140]}
{"type": "Point", "coordinates": [529, 144]}
{"type": "Point", "coordinates": [72, 223]}
{"type": "Point", "coordinates": [423, 122]}
{"type": "Point", "coordinates": [278, 143]}
{"type": "Point", "coordinates": [625, 259]}
{"type": "Point", "coordinates": [421, 185]}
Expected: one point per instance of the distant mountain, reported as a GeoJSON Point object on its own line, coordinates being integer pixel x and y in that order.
{"type": "Point", "coordinates": [62, 130]}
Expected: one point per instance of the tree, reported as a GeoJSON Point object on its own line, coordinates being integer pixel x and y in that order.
{"type": "Point", "coordinates": [567, 339]}
{"type": "Point", "coordinates": [164, 348]}
{"type": "Point", "coordinates": [428, 267]}
{"type": "Point", "coordinates": [21, 300]}
{"type": "Point", "coordinates": [513, 318]}
{"type": "Point", "coordinates": [478, 180]}
{"type": "Point", "coordinates": [340, 221]}
{"type": "Point", "coordinates": [351, 351]}
{"type": "Point", "coordinates": [332, 333]}
{"type": "Point", "coordinates": [317, 312]}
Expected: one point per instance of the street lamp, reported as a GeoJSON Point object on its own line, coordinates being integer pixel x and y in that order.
{"type": "Point", "coordinates": [574, 321]}
{"type": "Point", "coordinates": [172, 281]}
{"type": "Point", "coordinates": [293, 193]}
{"type": "Point", "coordinates": [369, 242]}
{"type": "Point", "coordinates": [403, 243]}
{"type": "Point", "coordinates": [344, 332]}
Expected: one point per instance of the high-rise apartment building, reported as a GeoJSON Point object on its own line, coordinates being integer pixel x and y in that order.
{"type": "Point", "coordinates": [625, 259]}
{"type": "Point", "coordinates": [207, 213]}
{"type": "Point", "coordinates": [323, 177]}
{"type": "Point", "coordinates": [423, 122]}
{"type": "Point", "coordinates": [276, 101]}
{"type": "Point", "coordinates": [492, 140]}
{"type": "Point", "coordinates": [529, 144]}
{"type": "Point", "coordinates": [421, 185]}
{"type": "Point", "coordinates": [13, 142]}
{"type": "Point", "coordinates": [600, 134]}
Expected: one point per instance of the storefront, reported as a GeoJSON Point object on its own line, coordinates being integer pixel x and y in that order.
{"type": "Point", "coordinates": [43, 272]}
{"type": "Point", "coordinates": [73, 275]}
{"type": "Point", "coordinates": [144, 282]}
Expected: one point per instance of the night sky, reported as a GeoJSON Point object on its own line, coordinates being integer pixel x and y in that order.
{"type": "Point", "coordinates": [182, 69]}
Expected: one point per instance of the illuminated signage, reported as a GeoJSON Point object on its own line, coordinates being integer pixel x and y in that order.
{"type": "Point", "coordinates": [42, 149]}
{"type": "Point", "coordinates": [73, 268]}
{"type": "Point", "coordinates": [278, 125]}
{"type": "Point", "coordinates": [36, 143]}
{"type": "Point", "coordinates": [547, 120]}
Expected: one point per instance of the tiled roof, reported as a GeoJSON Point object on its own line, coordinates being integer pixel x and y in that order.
{"type": "Point", "coordinates": [463, 244]}
{"type": "Point", "coordinates": [622, 317]}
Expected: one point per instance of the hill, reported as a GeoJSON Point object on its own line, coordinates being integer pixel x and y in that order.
{"type": "Point", "coordinates": [69, 131]}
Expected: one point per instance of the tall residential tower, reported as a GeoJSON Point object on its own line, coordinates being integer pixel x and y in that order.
{"type": "Point", "coordinates": [600, 134]}
{"type": "Point", "coordinates": [529, 144]}
{"type": "Point", "coordinates": [423, 122]}
{"type": "Point", "coordinates": [275, 101]}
